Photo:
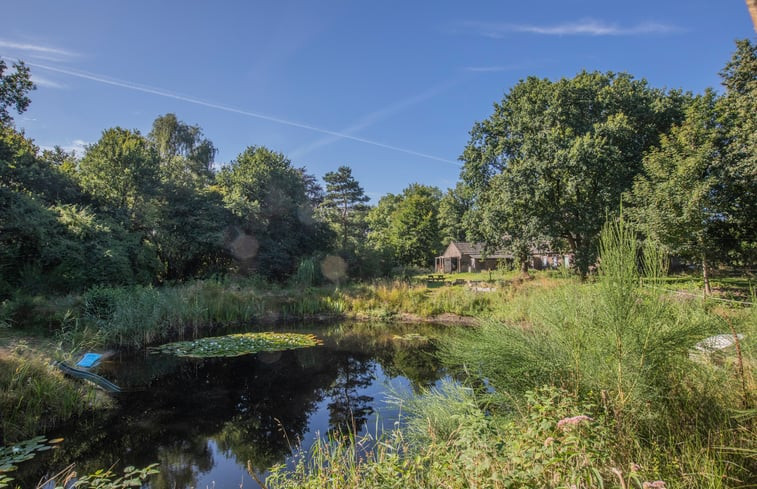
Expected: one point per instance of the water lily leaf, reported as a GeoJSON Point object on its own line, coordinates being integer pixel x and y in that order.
{"type": "Point", "coordinates": [238, 344]}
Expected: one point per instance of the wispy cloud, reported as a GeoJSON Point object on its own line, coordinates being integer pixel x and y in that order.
{"type": "Point", "coordinates": [37, 51]}
{"type": "Point", "coordinates": [78, 146]}
{"type": "Point", "coordinates": [584, 27]}
{"type": "Point", "coordinates": [378, 115]}
{"type": "Point", "coordinates": [46, 82]}
{"type": "Point", "coordinates": [226, 108]}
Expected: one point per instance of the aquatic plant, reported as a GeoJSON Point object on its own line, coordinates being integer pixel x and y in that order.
{"type": "Point", "coordinates": [12, 455]}
{"type": "Point", "coordinates": [234, 345]}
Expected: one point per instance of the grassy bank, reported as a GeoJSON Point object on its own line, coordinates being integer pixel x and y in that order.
{"type": "Point", "coordinates": [131, 317]}
{"type": "Point", "coordinates": [35, 396]}
{"type": "Point", "coordinates": [590, 386]}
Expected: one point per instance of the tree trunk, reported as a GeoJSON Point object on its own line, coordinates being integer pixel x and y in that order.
{"type": "Point", "coordinates": [524, 275]}
{"type": "Point", "coordinates": [706, 277]}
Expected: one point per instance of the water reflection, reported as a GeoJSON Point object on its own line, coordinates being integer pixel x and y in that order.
{"type": "Point", "coordinates": [203, 420]}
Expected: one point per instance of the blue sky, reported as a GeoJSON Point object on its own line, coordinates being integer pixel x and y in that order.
{"type": "Point", "coordinates": [388, 88]}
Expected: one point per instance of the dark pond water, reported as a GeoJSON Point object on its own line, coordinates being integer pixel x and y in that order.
{"type": "Point", "coordinates": [204, 420]}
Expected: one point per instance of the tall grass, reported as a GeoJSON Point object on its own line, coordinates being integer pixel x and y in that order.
{"type": "Point", "coordinates": [590, 386]}
{"type": "Point", "coordinates": [137, 316]}
{"type": "Point", "coordinates": [35, 396]}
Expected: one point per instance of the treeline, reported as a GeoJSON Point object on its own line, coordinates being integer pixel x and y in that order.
{"type": "Point", "coordinates": [545, 170]}
{"type": "Point", "coordinates": [151, 209]}
{"type": "Point", "coordinates": [141, 209]}
{"type": "Point", "coordinates": [556, 159]}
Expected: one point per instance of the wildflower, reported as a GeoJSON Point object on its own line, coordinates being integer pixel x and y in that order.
{"type": "Point", "coordinates": [566, 422]}
{"type": "Point", "coordinates": [549, 441]}
{"type": "Point", "coordinates": [635, 467]}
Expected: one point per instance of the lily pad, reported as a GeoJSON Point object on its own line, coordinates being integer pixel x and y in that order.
{"type": "Point", "coordinates": [235, 345]}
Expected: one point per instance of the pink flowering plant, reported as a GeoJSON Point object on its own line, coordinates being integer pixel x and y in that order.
{"type": "Point", "coordinates": [553, 443]}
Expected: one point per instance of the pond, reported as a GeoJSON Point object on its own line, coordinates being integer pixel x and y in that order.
{"type": "Point", "coordinates": [203, 420]}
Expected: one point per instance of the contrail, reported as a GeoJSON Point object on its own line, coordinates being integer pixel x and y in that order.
{"type": "Point", "coordinates": [378, 115]}
{"type": "Point", "coordinates": [192, 100]}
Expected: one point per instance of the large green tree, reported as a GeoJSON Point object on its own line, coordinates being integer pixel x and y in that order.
{"type": "Point", "coordinates": [676, 200]}
{"type": "Point", "coordinates": [564, 151]}
{"type": "Point", "coordinates": [191, 220]}
{"type": "Point", "coordinates": [344, 205]}
{"type": "Point", "coordinates": [453, 211]}
{"type": "Point", "coordinates": [737, 110]}
{"type": "Point", "coordinates": [406, 226]}
{"type": "Point", "coordinates": [121, 171]}
{"type": "Point", "coordinates": [267, 194]}
{"type": "Point", "coordinates": [698, 193]}
{"type": "Point", "coordinates": [186, 156]}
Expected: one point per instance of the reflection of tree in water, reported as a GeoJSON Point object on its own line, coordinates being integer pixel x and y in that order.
{"type": "Point", "coordinates": [419, 364]}
{"type": "Point", "coordinates": [181, 463]}
{"type": "Point", "coordinates": [348, 409]}
{"type": "Point", "coordinates": [255, 407]}
{"type": "Point", "coordinates": [414, 359]}
{"type": "Point", "coordinates": [235, 401]}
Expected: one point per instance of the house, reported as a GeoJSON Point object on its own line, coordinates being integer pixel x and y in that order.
{"type": "Point", "coordinates": [471, 257]}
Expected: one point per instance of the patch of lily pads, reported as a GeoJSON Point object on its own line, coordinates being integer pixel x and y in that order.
{"type": "Point", "coordinates": [235, 345]}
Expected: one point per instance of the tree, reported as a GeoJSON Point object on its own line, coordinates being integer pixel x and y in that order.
{"type": "Point", "coordinates": [566, 151]}
{"type": "Point", "coordinates": [453, 211]}
{"type": "Point", "coordinates": [190, 232]}
{"type": "Point", "coordinates": [737, 110]}
{"type": "Point", "coordinates": [407, 225]}
{"type": "Point", "coordinates": [121, 172]}
{"type": "Point", "coordinates": [14, 89]}
{"type": "Point", "coordinates": [500, 221]}
{"type": "Point", "coordinates": [677, 198]}
{"type": "Point", "coordinates": [267, 194]}
{"type": "Point", "coordinates": [191, 220]}
{"type": "Point", "coordinates": [186, 156]}
{"type": "Point", "coordinates": [344, 204]}
{"type": "Point", "coordinates": [313, 189]}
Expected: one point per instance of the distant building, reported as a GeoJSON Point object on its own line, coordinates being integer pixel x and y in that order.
{"type": "Point", "coordinates": [471, 257]}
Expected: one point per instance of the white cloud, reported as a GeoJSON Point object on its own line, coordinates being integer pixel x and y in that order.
{"type": "Point", "coordinates": [37, 49]}
{"type": "Point", "coordinates": [46, 82]}
{"type": "Point", "coordinates": [78, 146]}
{"type": "Point", "coordinates": [584, 27]}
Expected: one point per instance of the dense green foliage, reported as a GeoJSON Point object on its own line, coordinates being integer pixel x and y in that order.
{"type": "Point", "coordinates": [14, 89]}
{"type": "Point", "coordinates": [555, 157]}
{"type": "Point", "coordinates": [699, 187]}
{"type": "Point", "coordinates": [405, 227]}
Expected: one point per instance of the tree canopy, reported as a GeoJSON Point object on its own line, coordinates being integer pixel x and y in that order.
{"type": "Point", "coordinates": [563, 152]}
{"type": "Point", "coordinates": [14, 90]}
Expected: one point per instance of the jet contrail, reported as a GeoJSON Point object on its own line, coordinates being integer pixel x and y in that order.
{"type": "Point", "coordinates": [378, 115]}
{"type": "Point", "coordinates": [192, 100]}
